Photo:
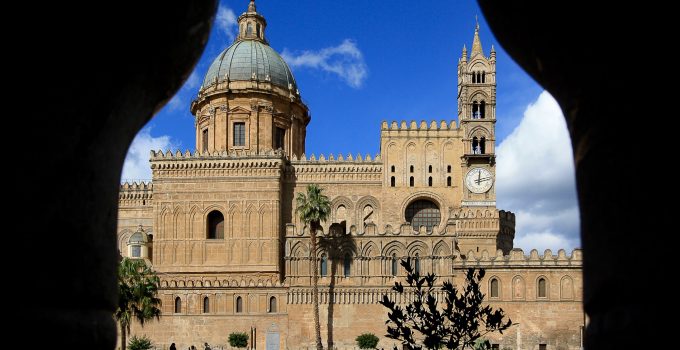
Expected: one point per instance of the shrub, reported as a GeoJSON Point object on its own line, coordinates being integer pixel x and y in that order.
{"type": "Point", "coordinates": [139, 343]}
{"type": "Point", "coordinates": [238, 339]}
{"type": "Point", "coordinates": [367, 341]}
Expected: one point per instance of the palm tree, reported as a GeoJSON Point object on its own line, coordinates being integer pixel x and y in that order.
{"type": "Point", "coordinates": [313, 208]}
{"type": "Point", "coordinates": [137, 295]}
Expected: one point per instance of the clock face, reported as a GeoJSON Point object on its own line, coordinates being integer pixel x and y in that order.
{"type": "Point", "coordinates": [478, 180]}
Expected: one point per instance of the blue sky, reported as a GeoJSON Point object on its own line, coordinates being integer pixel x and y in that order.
{"type": "Point", "coordinates": [360, 62]}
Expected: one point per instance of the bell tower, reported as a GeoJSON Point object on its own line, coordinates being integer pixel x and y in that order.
{"type": "Point", "coordinates": [486, 228]}
{"type": "Point", "coordinates": [477, 116]}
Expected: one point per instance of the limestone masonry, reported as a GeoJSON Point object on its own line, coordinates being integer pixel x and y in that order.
{"type": "Point", "coordinates": [219, 223]}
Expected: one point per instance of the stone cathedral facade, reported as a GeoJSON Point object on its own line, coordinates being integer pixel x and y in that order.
{"type": "Point", "coordinates": [219, 223]}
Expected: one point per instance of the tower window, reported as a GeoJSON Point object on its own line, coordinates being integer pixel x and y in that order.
{"type": "Point", "coordinates": [475, 146]}
{"type": "Point", "coordinates": [257, 27]}
{"type": "Point", "coordinates": [411, 182]}
{"type": "Point", "coordinates": [483, 77]}
{"type": "Point", "coordinates": [178, 305]}
{"type": "Point", "coordinates": [482, 109]}
{"type": "Point", "coordinates": [429, 169]}
{"type": "Point", "coordinates": [239, 134]}
{"type": "Point", "coordinates": [479, 77]}
{"type": "Point", "coordinates": [272, 304]}
{"type": "Point", "coordinates": [411, 168]}
{"type": "Point", "coordinates": [482, 145]}
{"type": "Point", "coordinates": [494, 288]}
{"type": "Point", "coordinates": [429, 181]}
{"type": "Point", "coordinates": [475, 110]}
{"type": "Point", "coordinates": [215, 225]}
{"type": "Point", "coordinates": [279, 137]}
{"type": "Point", "coordinates": [395, 264]}
{"type": "Point", "coordinates": [474, 77]}
{"type": "Point", "coordinates": [423, 213]}
{"type": "Point", "coordinates": [324, 265]}
{"type": "Point", "coordinates": [250, 29]}
{"type": "Point", "coordinates": [206, 305]}
{"type": "Point", "coordinates": [347, 265]}
{"type": "Point", "coordinates": [392, 168]}
{"type": "Point", "coordinates": [392, 181]}
{"type": "Point", "coordinates": [542, 288]}
{"type": "Point", "coordinates": [448, 168]}
{"type": "Point", "coordinates": [448, 181]}
{"type": "Point", "coordinates": [204, 140]}
{"type": "Point", "coordinates": [239, 304]}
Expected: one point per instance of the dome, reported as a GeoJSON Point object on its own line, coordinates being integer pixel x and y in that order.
{"type": "Point", "coordinates": [248, 60]}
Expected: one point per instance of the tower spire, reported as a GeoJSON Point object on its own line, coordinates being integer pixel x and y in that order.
{"type": "Point", "coordinates": [251, 6]}
{"type": "Point", "coordinates": [476, 43]}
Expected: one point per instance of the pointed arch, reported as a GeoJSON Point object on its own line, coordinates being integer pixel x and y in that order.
{"type": "Point", "coordinates": [417, 247]}
{"type": "Point", "coordinates": [518, 288]}
{"type": "Point", "coordinates": [395, 247]}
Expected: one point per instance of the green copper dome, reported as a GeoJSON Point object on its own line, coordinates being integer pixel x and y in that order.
{"type": "Point", "coordinates": [250, 60]}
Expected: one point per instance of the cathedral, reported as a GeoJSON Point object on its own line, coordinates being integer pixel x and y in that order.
{"type": "Point", "coordinates": [219, 226]}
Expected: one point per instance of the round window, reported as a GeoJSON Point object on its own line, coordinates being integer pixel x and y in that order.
{"type": "Point", "coordinates": [423, 213]}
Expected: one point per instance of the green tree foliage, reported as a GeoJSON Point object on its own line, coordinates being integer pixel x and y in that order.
{"type": "Point", "coordinates": [423, 324]}
{"type": "Point", "coordinates": [238, 339]}
{"type": "Point", "coordinates": [139, 343]}
{"type": "Point", "coordinates": [313, 207]}
{"type": "Point", "coordinates": [137, 295]}
{"type": "Point", "coordinates": [367, 341]}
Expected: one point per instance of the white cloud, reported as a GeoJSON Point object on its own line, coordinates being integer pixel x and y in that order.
{"type": "Point", "coordinates": [226, 21]}
{"type": "Point", "coordinates": [344, 60]}
{"type": "Point", "coordinates": [136, 166]}
{"type": "Point", "coordinates": [536, 179]}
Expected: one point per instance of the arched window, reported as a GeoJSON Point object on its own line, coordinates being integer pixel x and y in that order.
{"type": "Point", "coordinates": [249, 31]}
{"type": "Point", "coordinates": [395, 264]}
{"type": "Point", "coordinates": [475, 110]}
{"type": "Point", "coordinates": [482, 145]}
{"type": "Point", "coordinates": [448, 168]}
{"type": "Point", "coordinates": [392, 181]}
{"type": "Point", "coordinates": [483, 77]}
{"type": "Point", "coordinates": [482, 109]}
{"type": "Point", "coordinates": [542, 293]}
{"type": "Point", "coordinates": [393, 168]}
{"type": "Point", "coordinates": [347, 265]}
{"type": "Point", "coordinates": [257, 27]}
{"type": "Point", "coordinates": [475, 145]}
{"type": "Point", "coordinates": [178, 305]}
{"type": "Point", "coordinates": [494, 288]}
{"type": "Point", "coordinates": [239, 304]}
{"type": "Point", "coordinates": [474, 77]}
{"type": "Point", "coordinates": [417, 263]}
{"type": "Point", "coordinates": [429, 181]}
{"type": "Point", "coordinates": [206, 305]}
{"type": "Point", "coordinates": [479, 77]}
{"type": "Point", "coordinates": [324, 265]}
{"type": "Point", "coordinates": [448, 181]}
{"type": "Point", "coordinates": [215, 225]}
{"type": "Point", "coordinates": [272, 304]}
{"type": "Point", "coordinates": [411, 168]}
{"type": "Point", "coordinates": [423, 213]}
{"type": "Point", "coordinates": [429, 169]}
{"type": "Point", "coordinates": [411, 182]}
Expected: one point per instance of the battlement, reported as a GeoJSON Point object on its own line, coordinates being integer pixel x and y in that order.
{"type": "Point", "coordinates": [233, 154]}
{"type": "Point", "coordinates": [332, 159]}
{"type": "Point", "coordinates": [423, 126]}
{"type": "Point", "coordinates": [335, 169]}
{"type": "Point", "coordinates": [518, 258]}
{"type": "Point", "coordinates": [132, 194]}
{"type": "Point", "coordinates": [201, 164]}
